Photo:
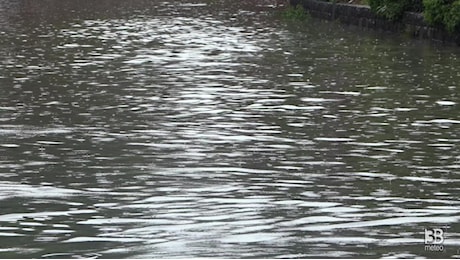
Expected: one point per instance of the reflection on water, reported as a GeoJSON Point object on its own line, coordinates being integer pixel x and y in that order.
{"type": "Point", "coordinates": [208, 128]}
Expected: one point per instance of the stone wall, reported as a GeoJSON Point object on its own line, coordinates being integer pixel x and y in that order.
{"type": "Point", "coordinates": [362, 16]}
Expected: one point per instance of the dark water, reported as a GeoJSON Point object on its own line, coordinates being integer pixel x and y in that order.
{"type": "Point", "coordinates": [217, 129]}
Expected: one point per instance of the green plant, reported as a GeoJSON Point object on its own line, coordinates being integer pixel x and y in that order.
{"type": "Point", "coordinates": [390, 9]}
{"type": "Point", "coordinates": [452, 17]}
{"type": "Point", "coordinates": [443, 12]}
{"type": "Point", "coordinates": [434, 11]}
{"type": "Point", "coordinates": [295, 13]}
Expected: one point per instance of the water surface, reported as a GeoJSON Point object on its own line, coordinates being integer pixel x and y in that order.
{"type": "Point", "coordinates": [218, 129]}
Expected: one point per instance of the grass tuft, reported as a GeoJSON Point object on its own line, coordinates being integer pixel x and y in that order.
{"type": "Point", "coordinates": [295, 13]}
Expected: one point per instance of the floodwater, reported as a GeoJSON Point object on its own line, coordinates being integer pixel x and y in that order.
{"type": "Point", "coordinates": [198, 128]}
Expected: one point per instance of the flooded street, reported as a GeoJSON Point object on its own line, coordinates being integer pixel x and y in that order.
{"type": "Point", "coordinates": [213, 128]}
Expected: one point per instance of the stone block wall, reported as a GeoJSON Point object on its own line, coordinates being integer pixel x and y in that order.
{"type": "Point", "coordinates": [362, 16]}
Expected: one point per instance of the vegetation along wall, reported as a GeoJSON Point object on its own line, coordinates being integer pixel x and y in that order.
{"type": "Point", "coordinates": [426, 24]}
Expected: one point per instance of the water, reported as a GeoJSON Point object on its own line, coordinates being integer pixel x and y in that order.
{"type": "Point", "coordinates": [217, 129]}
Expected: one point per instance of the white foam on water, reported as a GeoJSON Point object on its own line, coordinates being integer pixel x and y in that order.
{"type": "Point", "coordinates": [341, 240]}
{"type": "Point", "coordinates": [57, 231]}
{"type": "Point", "coordinates": [312, 219]}
{"type": "Point", "coordinates": [376, 144]}
{"type": "Point", "coordinates": [10, 189]}
{"type": "Point", "coordinates": [318, 100]}
{"type": "Point", "coordinates": [428, 179]}
{"type": "Point", "coordinates": [252, 238]}
{"type": "Point", "coordinates": [385, 222]}
{"type": "Point", "coordinates": [445, 103]}
{"type": "Point", "coordinates": [103, 239]}
{"type": "Point", "coordinates": [333, 139]}
{"type": "Point", "coordinates": [18, 216]}
{"type": "Point", "coordinates": [10, 234]}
